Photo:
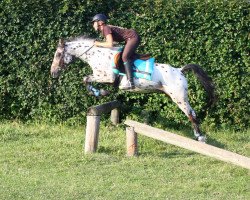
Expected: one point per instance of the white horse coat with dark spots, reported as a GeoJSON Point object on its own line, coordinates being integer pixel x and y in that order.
{"type": "Point", "coordinates": [165, 78]}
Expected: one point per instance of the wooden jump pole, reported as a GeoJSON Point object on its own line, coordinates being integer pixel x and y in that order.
{"type": "Point", "coordinates": [93, 123]}
{"type": "Point", "coordinates": [131, 137]}
{"type": "Point", "coordinates": [189, 144]}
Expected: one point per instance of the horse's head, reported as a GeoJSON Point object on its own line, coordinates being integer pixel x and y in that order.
{"type": "Point", "coordinates": [76, 47]}
{"type": "Point", "coordinates": [61, 58]}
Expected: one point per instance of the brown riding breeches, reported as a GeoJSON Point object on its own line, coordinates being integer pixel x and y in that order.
{"type": "Point", "coordinates": [130, 47]}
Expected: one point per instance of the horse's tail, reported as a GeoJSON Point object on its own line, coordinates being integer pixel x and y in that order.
{"type": "Point", "coordinates": [205, 80]}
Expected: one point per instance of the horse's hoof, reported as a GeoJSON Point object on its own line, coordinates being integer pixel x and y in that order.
{"type": "Point", "coordinates": [85, 80]}
{"type": "Point", "coordinates": [201, 138]}
{"type": "Point", "coordinates": [104, 92]}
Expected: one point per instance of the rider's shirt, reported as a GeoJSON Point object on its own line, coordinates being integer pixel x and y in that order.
{"type": "Point", "coordinates": [119, 34]}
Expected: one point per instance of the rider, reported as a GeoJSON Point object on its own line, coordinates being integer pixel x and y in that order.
{"type": "Point", "coordinates": [118, 34]}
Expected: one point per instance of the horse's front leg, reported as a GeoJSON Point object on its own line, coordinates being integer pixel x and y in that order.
{"type": "Point", "coordinates": [87, 80]}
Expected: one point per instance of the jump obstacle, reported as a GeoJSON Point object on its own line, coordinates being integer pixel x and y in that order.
{"type": "Point", "coordinates": [134, 128]}
{"type": "Point", "coordinates": [180, 141]}
{"type": "Point", "coordinates": [93, 123]}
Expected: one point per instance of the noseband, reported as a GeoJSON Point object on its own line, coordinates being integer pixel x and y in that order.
{"type": "Point", "coordinates": [61, 62]}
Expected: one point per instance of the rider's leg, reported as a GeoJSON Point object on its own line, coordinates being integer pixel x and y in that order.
{"type": "Point", "coordinates": [129, 73]}
{"type": "Point", "coordinates": [128, 51]}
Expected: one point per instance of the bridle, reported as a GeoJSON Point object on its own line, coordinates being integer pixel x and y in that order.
{"type": "Point", "coordinates": [86, 50]}
{"type": "Point", "coordinates": [61, 62]}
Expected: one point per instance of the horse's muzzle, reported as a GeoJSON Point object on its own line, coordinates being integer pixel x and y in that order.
{"type": "Point", "coordinates": [55, 73]}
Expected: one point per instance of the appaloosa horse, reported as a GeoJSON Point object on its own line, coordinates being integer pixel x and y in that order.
{"type": "Point", "coordinates": [164, 78]}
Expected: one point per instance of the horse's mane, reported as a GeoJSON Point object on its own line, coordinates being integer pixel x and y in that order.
{"type": "Point", "coordinates": [79, 38]}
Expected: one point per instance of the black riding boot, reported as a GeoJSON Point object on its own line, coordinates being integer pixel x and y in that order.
{"type": "Point", "coordinates": [129, 73]}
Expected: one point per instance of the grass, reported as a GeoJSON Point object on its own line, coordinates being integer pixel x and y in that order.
{"type": "Point", "coordinates": [40, 161]}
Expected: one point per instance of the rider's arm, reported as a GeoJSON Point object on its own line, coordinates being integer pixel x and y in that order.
{"type": "Point", "coordinates": [107, 43]}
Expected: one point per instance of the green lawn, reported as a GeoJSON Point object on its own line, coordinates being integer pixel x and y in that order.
{"type": "Point", "coordinates": [40, 161]}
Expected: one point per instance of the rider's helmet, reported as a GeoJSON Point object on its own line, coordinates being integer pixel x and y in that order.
{"type": "Point", "coordinates": [100, 17]}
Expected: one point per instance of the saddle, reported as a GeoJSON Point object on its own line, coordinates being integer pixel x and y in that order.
{"type": "Point", "coordinates": [143, 65]}
{"type": "Point", "coordinates": [141, 56]}
{"type": "Point", "coordinates": [118, 61]}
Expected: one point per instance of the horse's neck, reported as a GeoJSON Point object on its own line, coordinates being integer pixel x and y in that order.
{"type": "Point", "coordinates": [99, 58]}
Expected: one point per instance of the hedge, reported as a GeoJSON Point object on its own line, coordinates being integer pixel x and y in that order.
{"type": "Point", "coordinates": [213, 34]}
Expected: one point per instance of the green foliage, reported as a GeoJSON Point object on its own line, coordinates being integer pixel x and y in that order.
{"type": "Point", "coordinates": [213, 34]}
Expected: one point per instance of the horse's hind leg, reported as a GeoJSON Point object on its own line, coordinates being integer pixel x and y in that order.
{"type": "Point", "coordinates": [197, 132]}
{"type": "Point", "coordinates": [181, 99]}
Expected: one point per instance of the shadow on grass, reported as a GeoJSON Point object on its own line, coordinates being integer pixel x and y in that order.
{"type": "Point", "coordinates": [167, 154]}
{"type": "Point", "coordinates": [177, 154]}
{"type": "Point", "coordinates": [106, 150]}
{"type": "Point", "coordinates": [115, 151]}
{"type": "Point", "coordinates": [185, 129]}
{"type": "Point", "coordinates": [215, 143]}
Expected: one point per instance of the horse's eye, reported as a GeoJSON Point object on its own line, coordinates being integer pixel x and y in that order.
{"type": "Point", "coordinates": [58, 54]}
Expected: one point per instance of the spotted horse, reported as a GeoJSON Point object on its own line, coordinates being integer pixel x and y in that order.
{"type": "Point", "coordinates": [163, 78]}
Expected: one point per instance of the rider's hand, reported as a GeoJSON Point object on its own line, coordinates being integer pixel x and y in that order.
{"type": "Point", "coordinates": [96, 43]}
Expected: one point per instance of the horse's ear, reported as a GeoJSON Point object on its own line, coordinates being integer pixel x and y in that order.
{"type": "Point", "coordinates": [61, 42]}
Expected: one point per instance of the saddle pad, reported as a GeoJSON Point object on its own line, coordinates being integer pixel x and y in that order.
{"type": "Point", "coordinates": [144, 68]}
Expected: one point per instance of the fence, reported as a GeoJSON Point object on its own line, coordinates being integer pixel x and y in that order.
{"type": "Point", "coordinates": [171, 138]}
{"type": "Point", "coordinates": [93, 123]}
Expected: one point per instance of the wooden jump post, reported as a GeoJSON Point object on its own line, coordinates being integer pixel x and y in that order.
{"type": "Point", "coordinates": [93, 123]}
{"type": "Point", "coordinates": [180, 141]}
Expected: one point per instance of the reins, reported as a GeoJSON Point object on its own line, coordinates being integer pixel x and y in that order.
{"type": "Point", "coordinates": [86, 50]}
{"type": "Point", "coordinates": [63, 46]}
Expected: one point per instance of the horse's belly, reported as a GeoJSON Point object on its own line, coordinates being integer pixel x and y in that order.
{"type": "Point", "coordinates": [104, 76]}
{"type": "Point", "coordinates": [146, 84]}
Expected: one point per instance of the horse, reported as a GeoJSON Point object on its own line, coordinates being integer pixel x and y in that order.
{"type": "Point", "coordinates": [164, 78]}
